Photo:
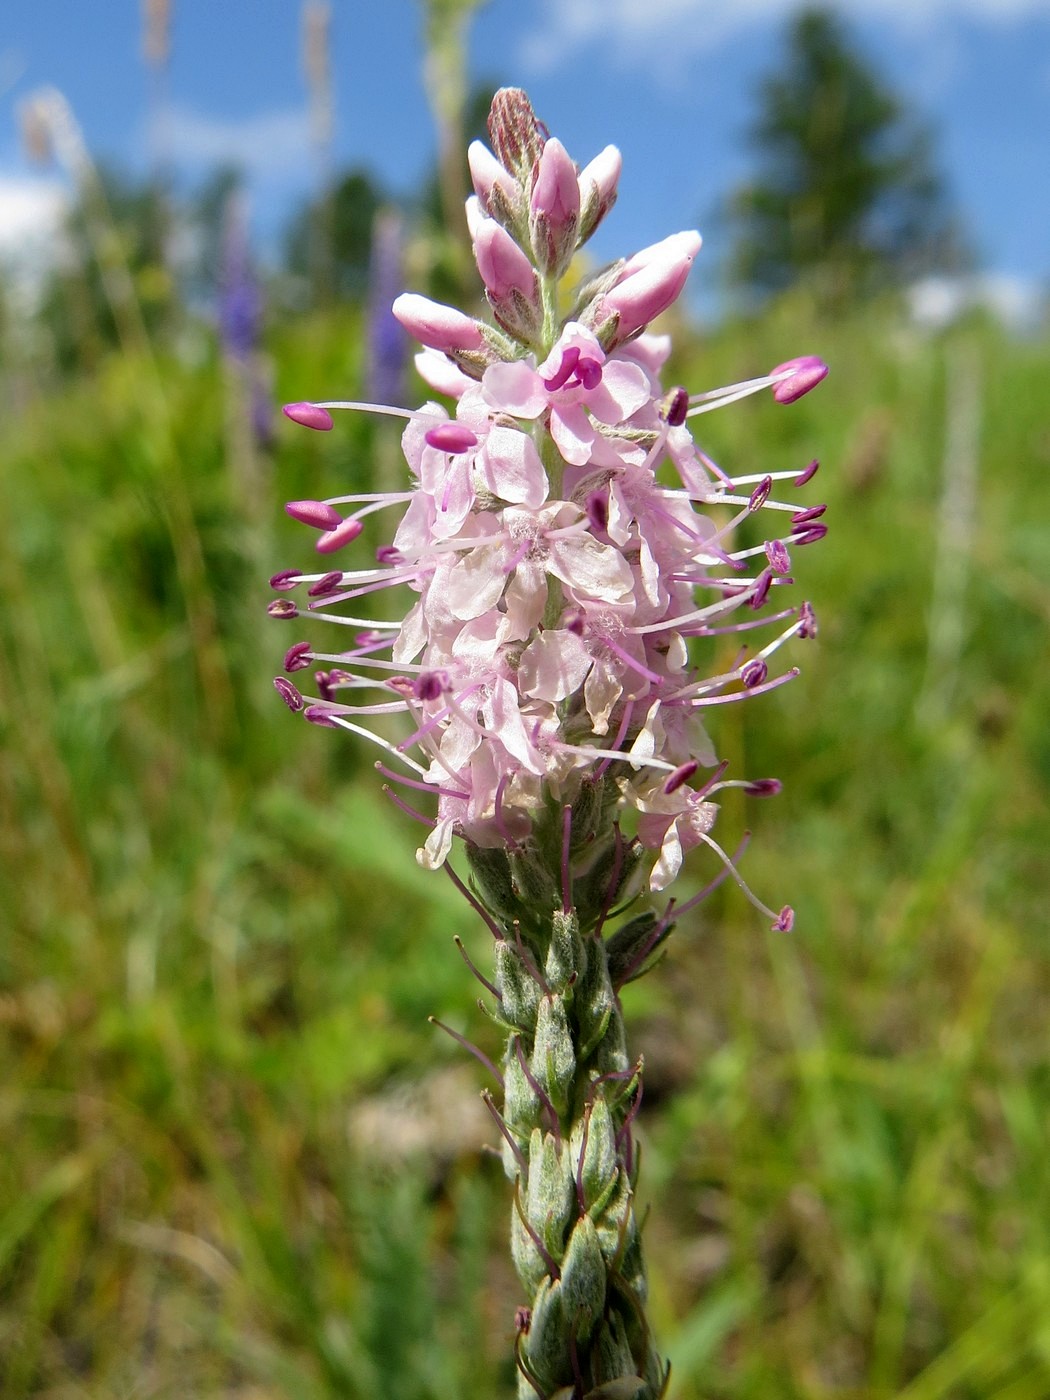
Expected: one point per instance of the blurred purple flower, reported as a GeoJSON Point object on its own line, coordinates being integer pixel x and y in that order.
{"type": "Point", "coordinates": [387, 341]}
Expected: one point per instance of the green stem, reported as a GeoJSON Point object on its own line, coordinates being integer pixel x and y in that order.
{"type": "Point", "coordinates": [570, 1095]}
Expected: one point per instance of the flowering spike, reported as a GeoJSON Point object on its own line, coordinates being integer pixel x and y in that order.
{"type": "Point", "coordinates": [309, 415]}
{"type": "Point", "coordinates": [549, 680]}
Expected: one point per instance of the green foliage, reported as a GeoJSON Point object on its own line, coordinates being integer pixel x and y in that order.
{"type": "Point", "coordinates": [846, 196]}
{"type": "Point", "coordinates": [238, 1162]}
{"type": "Point", "coordinates": [330, 241]}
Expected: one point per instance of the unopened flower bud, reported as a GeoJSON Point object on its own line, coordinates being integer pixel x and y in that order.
{"type": "Point", "coordinates": [650, 282]}
{"type": "Point", "coordinates": [598, 182]}
{"type": "Point", "coordinates": [510, 281]}
{"type": "Point", "coordinates": [499, 194]}
{"type": "Point", "coordinates": [554, 210]}
{"type": "Point", "coordinates": [441, 327]}
{"type": "Point", "coordinates": [516, 135]}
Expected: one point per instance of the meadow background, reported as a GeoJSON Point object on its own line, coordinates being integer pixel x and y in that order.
{"type": "Point", "coordinates": [238, 1161]}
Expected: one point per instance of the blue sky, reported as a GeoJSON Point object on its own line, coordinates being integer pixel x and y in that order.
{"type": "Point", "coordinates": [662, 79]}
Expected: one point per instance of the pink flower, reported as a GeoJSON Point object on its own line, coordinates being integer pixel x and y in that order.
{"type": "Point", "coordinates": [562, 586]}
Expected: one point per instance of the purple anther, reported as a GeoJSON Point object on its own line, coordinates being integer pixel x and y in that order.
{"type": "Point", "coordinates": [561, 377]}
{"type": "Point", "coordinates": [589, 372]}
{"type": "Point", "coordinates": [573, 621]}
{"type": "Point", "coordinates": [403, 685]}
{"type": "Point", "coordinates": [808, 534]}
{"type": "Point", "coordinates": [319, 514]}
{"type": "Point", "coordinates": [801, 375]}
{"type": "Point", "coordinates": [760, 495]}
{"type": "Point", "coordinates": [387, 554]}
{"type": "Point", "coordinates": [297, 657]}
{"type": "Point", "coordinates": [309, 415]}
{"type": "Point", "coordinates": [317, 714]}
{"type": "Point", "coordinates": [762, 586]}
{"type": "Point", "coordinates": [327, 584]}
{"type": "Point", "coordinates": [285, 580]}
{"type": "Point", "coordinates": [289, 694]}
{"type": "Point", "coordinates": [807, 474]}
{"type": "Point", "coordinates": [807, 621]}
{"type": "Point", "coordinates": [779, 558]}
{"type": "Point", "coordinates": [803, 517]}
{"type": "Point", "coordinates": [753, 673]}
{"type": "Point", "coordinates": [675, 407]}
{"type": "Point", "coordinates": [785, 920]}
{"type": "Point", "coordinates": [430, 685]}
{"type": "Point", "coordinates": [598, 510]}
{"type": "Point", "coordinates": [451, 437]}
{"type": "Point", "coordinates": [764, 787]}
{"type": "Point", "coordinates": [681, 775]}
{"type": "Point", "coordinates": [282, 607]}
{"type": "Point", "coordinates": [344, 532]}
{"type": "Point", "coordinates": [522, 1320]}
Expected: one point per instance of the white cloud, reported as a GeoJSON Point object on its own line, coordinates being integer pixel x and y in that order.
{"type": "Point", "coordinates": [31, 210]}
{"type": "Point", "coordinates": [267, 146]}
{"type": "Point", "coordinates": [1018, 302]}
{"type": "Point", "coordinates": [670, 29]}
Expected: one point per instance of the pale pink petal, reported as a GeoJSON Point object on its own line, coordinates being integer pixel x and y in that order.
{"type": "Point", "coordinates": [623, 390]}
{"type": "Point", "coordinates": [510, 467]}
{"type": "Point", "coordinates": [514, 388]}
{"type": "Point", "coordinates": [573, 432]}
{"type": "Point", "coordinates": [554, 665]}
{"type": "Point", "coordinates": [594, 569]}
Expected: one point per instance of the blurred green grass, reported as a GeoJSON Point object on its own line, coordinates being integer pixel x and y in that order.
{"type": "Point", "coordinates": [239, 1162]}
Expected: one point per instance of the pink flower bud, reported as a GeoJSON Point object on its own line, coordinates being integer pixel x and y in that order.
{"type": "Point", "coordinates": [554, 215]}
{"type": "Point", "coordinates": [503, 266]}
{"type": "Point", "coordinates": [556, 192]}
{"type": "Point", "coordinates": [441, 327]}
{"type": "Point", "coordinates": [598, 183]}
{"type": "Point", "coordinates": [800, 375]}
{"type": "Point", "coordinates": [488, 175]}
{"type": "Point", "coordinates": [603, 172]}
{"type": "Point", "coordinates": [649, 283]}
{"type": "Point", "coordinates": [671, 249]}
